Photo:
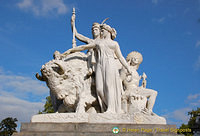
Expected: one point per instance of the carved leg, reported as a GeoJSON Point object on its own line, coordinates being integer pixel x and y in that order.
{"type": "Point", "coordinates": [99, 88]}
{"type": "Point", "coordinates": [124, 105]}
{"type": "Point", "coordinates": [151, 101]}
{"type": "Point", "coordinates": [151, 94]}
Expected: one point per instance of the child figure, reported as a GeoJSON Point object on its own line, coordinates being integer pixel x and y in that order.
{"type": "Point", "coordinates": [131, 86]}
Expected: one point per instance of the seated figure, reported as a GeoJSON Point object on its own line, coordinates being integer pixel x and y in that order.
{"type": "Point", "coordinates": [136, 98]}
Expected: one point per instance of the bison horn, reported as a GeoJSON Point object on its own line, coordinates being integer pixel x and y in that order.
{"type": "Point", "coordinates": [39, 77]}
{"type": "Point", "coordinates": [62, 70]}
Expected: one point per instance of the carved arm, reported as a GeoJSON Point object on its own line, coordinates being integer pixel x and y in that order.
{"type": "Point", "coordinates": [121, 58]}
{"type": "Point", "coordinates": [79, 48]}
{"type": "Point", "coordinates": [80, 37]}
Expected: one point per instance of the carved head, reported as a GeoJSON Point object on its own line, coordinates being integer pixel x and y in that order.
{"type": "Point", "coordinates": [95, 30]}
{"type": "Point", "coordinates": [134, 58]}
{"type": "Point", "coordinates": [112, 31]}
{"type": "Point", "coordinates": [56, 55]}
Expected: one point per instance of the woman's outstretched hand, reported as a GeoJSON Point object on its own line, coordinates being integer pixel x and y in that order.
{"type": "Point", "coordinates": [58, 56]}
{"type": "Point", "coordinates": [129, 76]}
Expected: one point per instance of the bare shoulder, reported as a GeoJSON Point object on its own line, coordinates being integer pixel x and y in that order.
{"type": "Point", "coordinates": [115, 43]}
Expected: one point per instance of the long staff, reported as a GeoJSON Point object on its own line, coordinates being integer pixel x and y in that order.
{"type": "Point", "coordinates": [73, 30]}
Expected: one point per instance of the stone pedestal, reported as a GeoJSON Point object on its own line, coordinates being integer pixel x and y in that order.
{"type": "Point", "coordinates": [92, 129]}
{"type": "Point", "coordinates": [135, 118]}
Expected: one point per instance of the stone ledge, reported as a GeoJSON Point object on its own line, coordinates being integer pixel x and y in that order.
{"type": "Point", "coordinates": [92, 129]}
{"type": "Point", "coordinates": [136, 118]}
{"type": "Point", "coordinates": [89, 134]}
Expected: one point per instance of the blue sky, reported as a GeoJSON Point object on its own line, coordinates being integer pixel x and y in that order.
{"type": "Point", "coordinates": [166, 32]}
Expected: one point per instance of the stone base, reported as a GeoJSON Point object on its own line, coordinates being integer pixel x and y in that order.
{"type": "Point", "coordinates": [136, 118]}
{"type": "Point", "coordinates": [91, 129]}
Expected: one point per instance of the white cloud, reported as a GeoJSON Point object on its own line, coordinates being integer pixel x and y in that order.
{"type": "Point", "coordinates": [178, 116]}
{"type": "Point", "coordinates": [181, 114]}
{"type": "Point", "coordinates": [188, 33]}
{"type": "Point", "coordinates": [43, 7]}
{"type": "Point", "coordinates": [197, 44]}
{"type": "Point", "coordinates": [17, 85]}
{"type": "Point", "coordinates": [195, 104]}
{"type": "Point", "coordinates": [194, 100]}
{"type": "Point", "coordinates": [14, 107]}
{"type": "Point", "coordinates": [155, 1]}
{"type": "Point", "coordinates": [20, 96]}
{"type": "Point", "coordinates": [197, 64]}
{"type": "Point", "coordinates": [193, 96]}
{"type": "Point", "coordinates": [1, 70]}
{"type": "Point", "coordinates": [159, 20]}
{"type": "Point", "coordinates": [21, 84]}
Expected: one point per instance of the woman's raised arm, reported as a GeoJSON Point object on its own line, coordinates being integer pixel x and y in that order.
{"type": "Point", "coordinates": [121, 58]}
{"type": "Point", "coordinates": [79, 48]}
{"type": "Point", "coordinates": [80, 37]}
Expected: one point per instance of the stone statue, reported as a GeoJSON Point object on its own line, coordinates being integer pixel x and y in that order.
{"type": "Point", "coordinates": [132, 90]}
{"type": "Point", "coordinates": [68, 82]}
{"type": "Point", "coordinates": [144, 81]}
{"type": "Point", "coordinates": [100, 86]}
{"type": "Point", "coordinates": [108, 84]}
{"type": "Point", "coordinates": [96, 36]}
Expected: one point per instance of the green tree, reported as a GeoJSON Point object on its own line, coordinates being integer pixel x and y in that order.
{"type": "Point", "coordinates": [8, 126]}
{"type": "Point", "coordinates": [191, 123]}
{"type": "Point", "coordinates": [48, 107]}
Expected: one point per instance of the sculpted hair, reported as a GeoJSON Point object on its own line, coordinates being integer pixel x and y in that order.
{"type": "Point", "coordinates": [134, 54]}
{"type": "Point", "coordinates": [95, 25]}
{"type": "Point", "coordinates": [112, 31]}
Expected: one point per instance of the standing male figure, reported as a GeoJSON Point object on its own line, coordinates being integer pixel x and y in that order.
{"type": "Point", "coordinates": [96, 36]}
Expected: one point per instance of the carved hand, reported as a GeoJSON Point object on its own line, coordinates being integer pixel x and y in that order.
{"type": "Point", "coordinates": [73, 18]}
{"type": "Point", "coordinates": [56, 55]}
{"type": "Point", "coordinates": [62, 56]}
{"type": "Point", "coordinates": [129, 71]}
{"type": "Point", "coordinates": [66, 53]}
{"type": "Point", "coordinates": [129, 77]}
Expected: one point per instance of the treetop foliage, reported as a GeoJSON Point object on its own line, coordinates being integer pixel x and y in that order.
{"type": "Point", "coordinates": [192, 124]}
{"type": "Point", "coordinates": [8, 126]}
{"type": "Point", "coordinates": [48, 107]}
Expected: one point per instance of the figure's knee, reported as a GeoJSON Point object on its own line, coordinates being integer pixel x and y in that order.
{"type": "Point", "coordinates": [152, 93]}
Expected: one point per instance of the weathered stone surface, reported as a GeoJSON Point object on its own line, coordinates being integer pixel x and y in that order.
{"type": "Point", "coordinates": [102, 82]}
{"type": "Point", "coordinates": [137, 118]}
{"type": "Point", "coordinates": [90, 129]}
{"type": "Point", "coordinates": [90, 134]}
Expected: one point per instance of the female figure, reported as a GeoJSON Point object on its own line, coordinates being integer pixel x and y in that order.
{"type": "Point", "coordinates": [108, 84]}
